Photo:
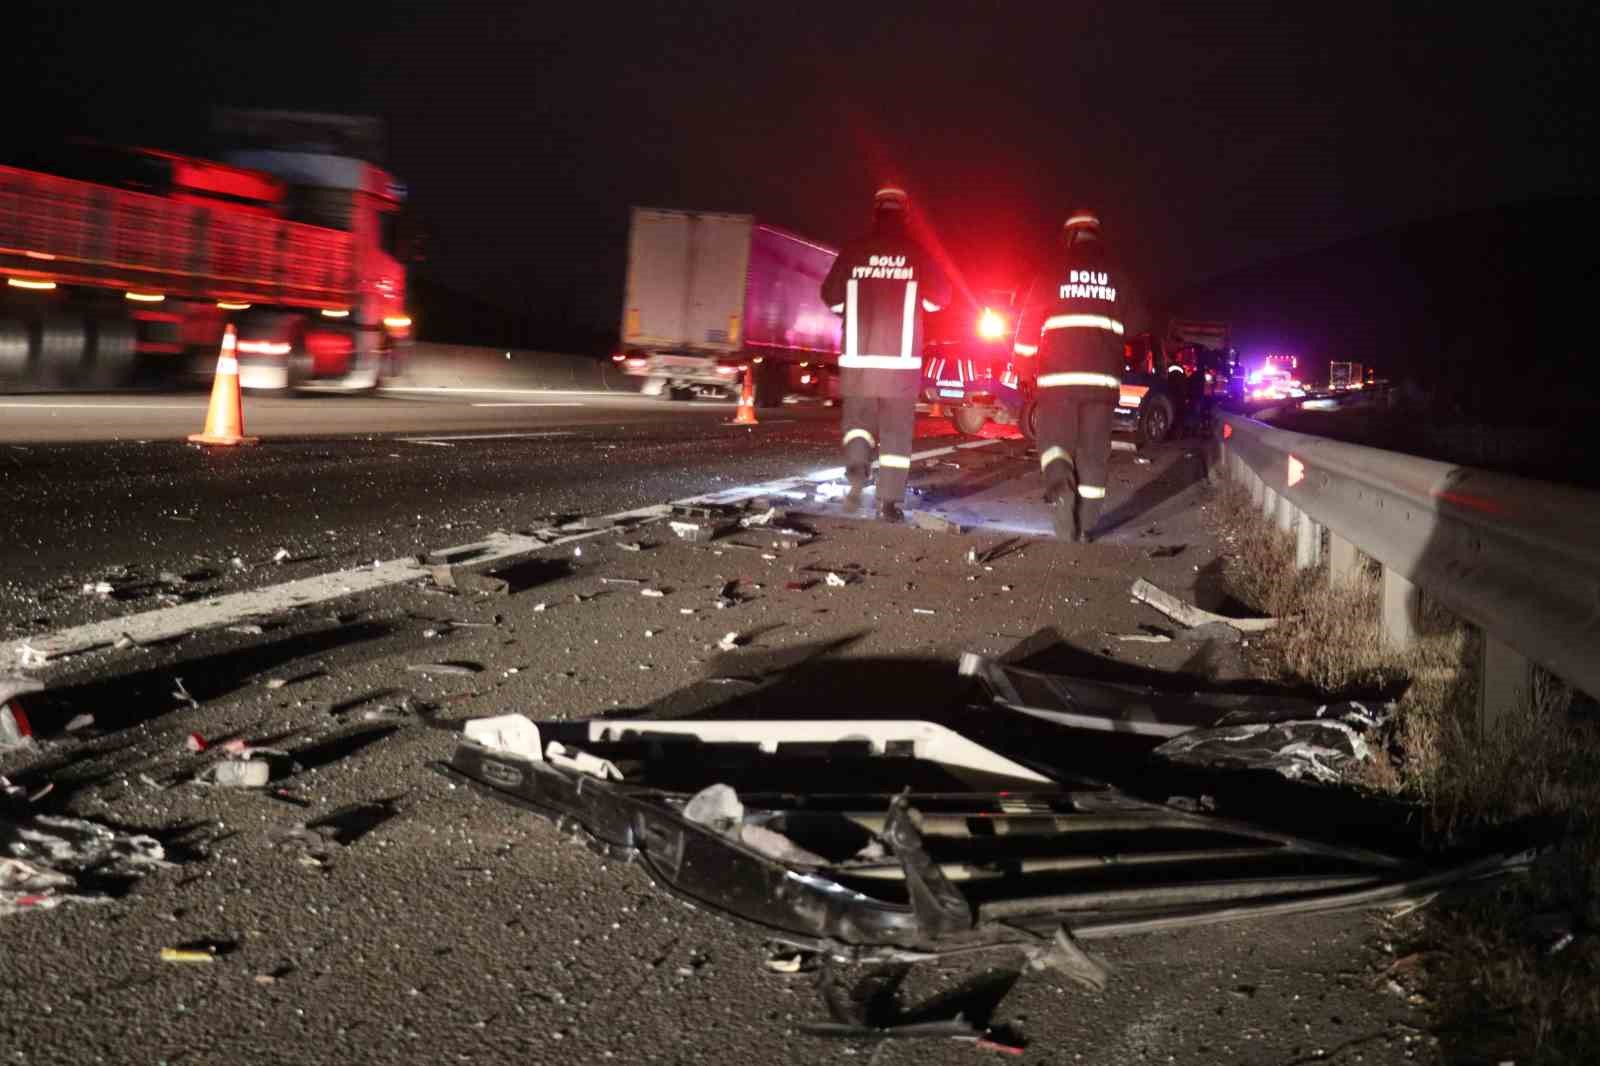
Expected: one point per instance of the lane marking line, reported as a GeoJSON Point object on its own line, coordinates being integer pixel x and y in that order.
{"type": "Point", "coordinates": [476, 391]}
{"type": "Point", "coordinates": [168, 623]}
{"type": "Point", "coordinates": [104, 406]}
{"type": "Point", "coordinates": [448, 439]}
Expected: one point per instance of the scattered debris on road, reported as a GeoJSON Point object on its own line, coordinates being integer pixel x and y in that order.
{"type": "Point", "coordinates": [53, 860]}
{"type": "Point", "coordinates": [819, 861]}
{"type": "Point", "coordinates": [1189, 615]}
{"type": "Point", "coordinates": [456, 668]}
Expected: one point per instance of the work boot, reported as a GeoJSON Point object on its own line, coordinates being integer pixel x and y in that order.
{"type": "Point", "coordinates": [852, 499]}
{"type": "Point", "coordinates": [891, 512]}
{"type": "Point", "coordinates": [1064, 513]}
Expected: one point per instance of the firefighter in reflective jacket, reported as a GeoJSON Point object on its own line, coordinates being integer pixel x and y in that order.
{"type": "Point", "coordinates": [1072, 326]}
{"type": "Point", "coordinates": [882, 284]}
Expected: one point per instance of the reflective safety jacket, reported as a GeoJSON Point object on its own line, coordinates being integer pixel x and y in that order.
{"type": "Point", "coordinates": [882, 285]}
{"type": "Point", "coordinates": [1071, 323]}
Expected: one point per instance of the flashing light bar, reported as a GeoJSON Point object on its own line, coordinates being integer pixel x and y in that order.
{"type": "Point", "coordinates": [144, 297]}
{"type": "Point", "coordinates": [30, 283]}
{"type": "Point", "coordinates": [229, 305]}
{"type": "Point", "coordinates": [991, 325]}
{"type": "Point", "coordinates": [395, 321]}
{"type": "Point", "coordinates": [335, 312]}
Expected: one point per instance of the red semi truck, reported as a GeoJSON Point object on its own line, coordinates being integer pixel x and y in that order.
{"type": "Point", "coordinates": [108, 281]}
{"type": "Point", "coordinates": [710, 294]}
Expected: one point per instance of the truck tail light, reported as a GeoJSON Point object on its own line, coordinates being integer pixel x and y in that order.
{"type": "Point", "coordinates": [727, 371]}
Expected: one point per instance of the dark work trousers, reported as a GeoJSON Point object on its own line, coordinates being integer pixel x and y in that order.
{"type": "Point", "coordinates": [885, 423]}
{"type": "Point", "coordinates": [1075, 446]}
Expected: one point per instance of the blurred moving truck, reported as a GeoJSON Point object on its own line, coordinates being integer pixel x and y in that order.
{"type": "Point", "coordinates": [119, 262]}
{"type": "Point", "coordinates": [710, 295]}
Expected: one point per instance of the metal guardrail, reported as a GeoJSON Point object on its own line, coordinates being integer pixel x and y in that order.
{"type": "Point", "coordinates": [1519, 559]}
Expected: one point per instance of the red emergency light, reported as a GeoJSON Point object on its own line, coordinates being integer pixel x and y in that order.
{"type": "Point", "coordinates": [991, 325]}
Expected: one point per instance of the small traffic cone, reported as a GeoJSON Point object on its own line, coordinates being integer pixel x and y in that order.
{"type": "Point", "coordinates": [225, 416]}
{"type": "Point", "coordinates": [746, 415]}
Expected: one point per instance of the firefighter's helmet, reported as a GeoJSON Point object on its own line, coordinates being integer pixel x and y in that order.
{"type": "Point", "coordinates": [1082, 220]}
{"type": "Point", "coordinates": [890, 198]}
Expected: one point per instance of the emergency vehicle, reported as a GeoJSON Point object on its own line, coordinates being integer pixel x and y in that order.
{"type": "Point", "coordinates": [968, 367]}
{"type": "Point", "coordinates": [136, 259]}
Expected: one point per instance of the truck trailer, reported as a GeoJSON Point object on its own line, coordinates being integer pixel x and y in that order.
{"type": "Point", "coordinates": [710, 295]}
{"type": "Point", "coordinates": [132, 267]}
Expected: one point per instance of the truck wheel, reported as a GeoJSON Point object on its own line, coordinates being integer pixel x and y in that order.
{"type": "Point", "coordinates": [112, 362]}
{"type": "Point", "coordinates": [969, 421]}
{"type": "Point", "coordinates": [13, 351]}
{"type": "Point", "coordinates": [1029, 422]}
{"type": "Point", "coordinates": [770, 380]}
{"type": "Point", "coordinates": [63, 349]}
{"type": "Point", "coordinates": [1156, 418]}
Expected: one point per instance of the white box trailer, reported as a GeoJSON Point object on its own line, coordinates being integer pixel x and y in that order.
{"type": "Point", "coordinates": [708, 294]}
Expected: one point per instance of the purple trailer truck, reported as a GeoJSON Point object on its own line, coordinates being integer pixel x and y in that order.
{"type": "Point", "coordinates": [709, 295]}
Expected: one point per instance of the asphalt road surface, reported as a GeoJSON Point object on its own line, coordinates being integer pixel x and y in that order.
{"type": "Point", "coordinates": [436, 925]}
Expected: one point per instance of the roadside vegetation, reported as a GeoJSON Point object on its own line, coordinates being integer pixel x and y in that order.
{"type": "Point", "coordinates": [1512, 975]}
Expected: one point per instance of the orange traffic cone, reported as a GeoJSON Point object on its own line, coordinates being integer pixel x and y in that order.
{"type": "Point", "coordinates": [225, 416]}
{"type": "Point", "coordinates": [746, 415]}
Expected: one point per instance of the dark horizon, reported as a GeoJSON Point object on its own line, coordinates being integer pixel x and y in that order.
{"type": "Point", "coordinates": [1209, 141]}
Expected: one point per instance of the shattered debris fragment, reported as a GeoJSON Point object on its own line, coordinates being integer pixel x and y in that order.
{"type": "Point", "coordinates": [654, 594]}
{"type": "Point", "coordinates": [79, 723]}
{"type": "Point", "coordinates": [280, 555]}
{"type": "Point", "coordinates": [458, 668]}
{"type": "Point", "coordinates": [1189, 615]}
{"type": "Point", "coordinates": [52, 860]}
{"type": "Point", "coordinates": [195, 742]}
{"type": "Point", "coordinates": [835, 581]}
{"type": "Point", "coordinates": [729, 642]}
{"type": "Point", "coordinates": [237, 773]}
{"type": "Point", "coordinates": [98, 588]}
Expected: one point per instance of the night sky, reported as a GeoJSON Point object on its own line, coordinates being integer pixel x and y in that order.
{"type": "Point", "coordinates": [1210, 136]}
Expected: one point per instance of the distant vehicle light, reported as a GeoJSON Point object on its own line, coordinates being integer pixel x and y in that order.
{"type": "Point", "coordinates": [335, 312]}
{"type": "Point", "coordinates": [805, 379]}
{"type": "Point", "coordinates": [229, 305]}
{"type": "Point", "coordinates": [398, 321]}
{"type": "Point", "coordinates": [727, 371]}
{"type": "Point", "coordinates": [144, 297]}
{"type": "Point", "coordinates": [638, 361]}
{"type": "Point", "coordinates": [263, 347]}
{"type": "Point", "coordinates": [618, 357]}
{"type": "Point", "coordinates": [991, 325]}
{"type": "Point", "coordinates": [30, 283]}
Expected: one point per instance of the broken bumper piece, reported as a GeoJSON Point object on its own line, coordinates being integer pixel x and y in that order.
{"type": "Point", "coordinates": [899, 841]}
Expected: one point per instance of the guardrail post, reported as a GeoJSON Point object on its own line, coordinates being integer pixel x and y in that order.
{"type": "Point", "coordinates": [1503, 679]}
{"type": "Point", "coordinates": [1256, 485]}
{"type": "Point", "coordinates": [1307, 543]}
{"type": "Point", "coordinates": [1344, 561]}
{"type": "Point", "coordinates": [1269, 501]}
{"type": "Point", "coordinates": [1288, 515]}
{"type": "Point", "coordinates": [1400, 604]}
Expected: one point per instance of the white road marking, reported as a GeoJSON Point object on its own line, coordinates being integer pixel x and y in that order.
{"type": "Point", "coordinates": [532, 403]}
{"type": "Point", "coordinates": [447, 441]}
{"type": "Point", "coordinates": [168, 623]}
{"type": "Point", "coordinates": [446, 389]}
{"type": "Point", "coordinates": [105, 406]}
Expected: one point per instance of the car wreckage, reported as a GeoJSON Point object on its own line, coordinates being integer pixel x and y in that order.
{"type": "Point", "coordinates": [890, 842]}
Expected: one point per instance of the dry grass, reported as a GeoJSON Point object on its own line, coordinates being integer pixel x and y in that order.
{"type": "Point", "coordinates": [1500, 994]}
